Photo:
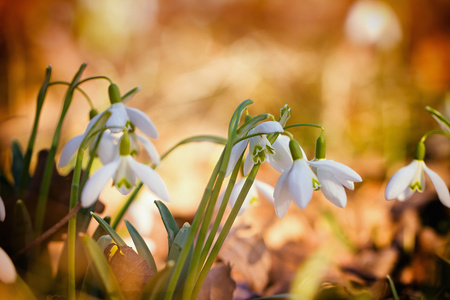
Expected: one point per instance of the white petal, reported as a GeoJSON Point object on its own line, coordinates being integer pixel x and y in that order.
{"type": "Point", "coordinates": [92, 122]}
{"type": "Point", "coordinates": [124, 179]}
{"type": "Point", "coordinates": [248, 164]}
{"type": "Point", "coordinates": [265, 189]}
{"type": "Point", "coordinates": [300, 183]}
{"type": "Point", "coordinates": [118, 118]}
{"type": "Point", "coordinates": [142, 121]}
{"type": "Point", "coordinates": [150, 178]}
{"type": "Point", "coordinates": [405, 194]}
{"type": "Point", "coordinates": [69, 150]}
{"type": "Point", "coordinates": [282, 194]}
{"type": "Point", "coordinates": [236, 152]}
{"type": "Point", "coordinates": [7, 271]}
{"type": "Point", "coordinates": [97, 182]}
{"type": "Point", "coordinates": [235, 192]}
{"type": "Point", "coordinates": [108, 148]}
{"type": "Point", "coordinates": [267, 127]}
{"type": "Point", "coordinates": [2, 210]}
{"type": "Point", "coordinates": [150, 149]}
{"type": "Point", "coordinates": [400, 181]}
{"type": "Point", "coordinates": [439, 185]}
{"type": "Point", "coordinates": [339, 170]}
{"type": "Point", "coordinates": [282, 158]}
{"type": "Point", "coordinates": [331, 188]}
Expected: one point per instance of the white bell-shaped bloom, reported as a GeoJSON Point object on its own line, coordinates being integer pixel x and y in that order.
{"type": "Point", "coordinates": [295, 183]}
{"type": "Point", "coordinates": [282, 158]}
{"type": "Point", "coordinates": [2, 210]}
{"type": "Point", "coordinates": [123, 170]}
{"type": "Point", "coordinates": [252, 197]}
{"type": "Point", "coordinates": [260, 147]}
{"type": "Point", "coordinates": [7, 270]}
{"type": "Point", "coordinates": [412, 178]}
{"type": "Point", "coordinates": [333, 177]}
{"type": "Point", "coordinates": [148, 146]}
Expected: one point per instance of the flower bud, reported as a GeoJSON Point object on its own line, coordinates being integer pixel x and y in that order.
{"type": "Point", "coordinates": [92, 113]}
{"type": "Point", "coordinates": [320, 147]}
{"type": "Point", "coordinates": [114, 94]}
{"type": "Point", "coordinates": [296, 152]}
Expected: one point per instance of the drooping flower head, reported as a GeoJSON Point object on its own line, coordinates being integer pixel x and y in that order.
{"type": "Point", "coordinates": [411, 178]}
{"type": "Point", "coordinates": [123, 170]}
{"type": "Point", "coordinates": [260, 148]}
{"type": "Point", "coordinates": [333, 176]}
{"type": "Point", "coordinates": [296, 183]}
{"type": "Point", "coordinates": [121, 117]}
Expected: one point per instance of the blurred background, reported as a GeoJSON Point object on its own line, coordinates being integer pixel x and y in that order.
{"type": "Point", "coordinates": [363, 69]}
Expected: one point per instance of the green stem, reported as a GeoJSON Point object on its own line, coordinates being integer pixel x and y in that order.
{"type": "Point", "coordinates": [95, 78]}
{"type": "Point", "coordinates": [225, 230]}
{"type": "Point", "coordinates": [27, 159]}
{"type": "Point", "coordinates": [190, 239]}
{"type": "Point", "coordinates": [78, 89]}
{"type": "Point", "coordinates": [49, 165]}
{"type": "Point", "coordinates": [434, 131]}
{"type": "Point", "coordinates": [305, 124]}
{"type": "Point", "coordinates": [220, 214]}
{"type": "Point", "coordinates": [72, 227]}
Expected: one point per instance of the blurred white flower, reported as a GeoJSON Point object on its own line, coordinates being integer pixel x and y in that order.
{"type": "Point", "coordinates": [2, 210]}
{"type": "Point", "coordinates": [252, 197]}
{"type": "Point", "coordinates": [7, 270]}
{"type": "Point", "coordinates": [412, 178]}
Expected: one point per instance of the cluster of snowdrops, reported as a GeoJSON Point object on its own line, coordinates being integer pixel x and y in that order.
{"type": "Point", "coordinates": [118, 134]}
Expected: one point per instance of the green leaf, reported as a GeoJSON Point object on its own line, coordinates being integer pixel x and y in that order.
{"type": "Point", "coordinates": [442, 121]}
{"type": "Point", "coordinates": [104, 272]}
{"type": "Point", "coordinates": [196, 139]}
{"type": "Point", "coordinates": [22, 230]}
{"type": "Point", "coordinates": [285, 114]}
{"type": "Point", "coordinates": [252, 122]}
{"type": "Point", "coordinates": [155, 288]}
{"type": "Point", "coordinates": [114, 235]}
{"type": "Point", "coordinates": [100, 231]}
{"type": "Point", "coordinates": [179, 242]}
{"type": "Point", "coordinates": [17, 163]}
{"type": "Point", "coordinates": [392, 286]}
{"type": "Point", "coordinates": [232, 129]}
{"type": "Point", "coordinates": [141, 246]}
{"type": "Point", "coordinates": [169, 222]}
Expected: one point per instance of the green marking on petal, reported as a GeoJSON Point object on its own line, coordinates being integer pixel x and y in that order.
{"type": "Point", "coordinates": [270, 150]}
{"type": "Point", "coordinates": [253, 200]}
{"type": "Point", "coordinates": [316, 184]}
{"type": "Point", "coordinates": [258, 154]}
{"type": "Point", "coordinates": [125, 182]}
{"type": "Point", "coordinates": [416, 186]}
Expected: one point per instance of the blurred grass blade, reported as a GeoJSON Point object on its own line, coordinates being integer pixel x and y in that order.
{"type": "Point", "coordinates": [27, 158]}
{"type": "Point", "coordinates": [22, 230]}
{"type": "Point", "coordinates": [100, 231]}
{"type": "Point", "coordinates": [169, 222]}
{"type": "Point", "coordinates": [392, 286]}
{"type": "Point", "coordinates": [114, 235]}
{"type": "Point", "coordinates": [141, 246]}
{"type": "Point", "coordinates": [17, 165]}
{"type": "Point", "coordinates": [155, 288]}
{"type": "Point", "coordinates": [99, 261]}
{"type": "Point", "coordinates": [443, 121]}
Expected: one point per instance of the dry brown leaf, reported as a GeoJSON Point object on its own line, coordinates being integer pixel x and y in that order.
{"type": "Point", "coordinates": [249, 258]}
{"type": "Point", "coordinates": [131, 270]}
{"type": "Point", "coordinates": [218, 284]}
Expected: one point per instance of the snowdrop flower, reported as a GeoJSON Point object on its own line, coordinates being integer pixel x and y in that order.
{"type": "Point", "coordinates": [260, 147]}
{"type": "Point", "coordinates": [7, 271]}
{"type": "Point", "coordinates": [258, 187]}
{"type": "Point", "coordinates": [121, 117]}
{"type": "Point", "coordinates": [2, 210]}
{"type": "Point", "coordinates": [333, 176]}
{"type": "Point", "coordinates": [123, 170]}
{"type": "Point", "coordinates": [297, 183]}
{"type": "Point", "coordinates": [411, 178]}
